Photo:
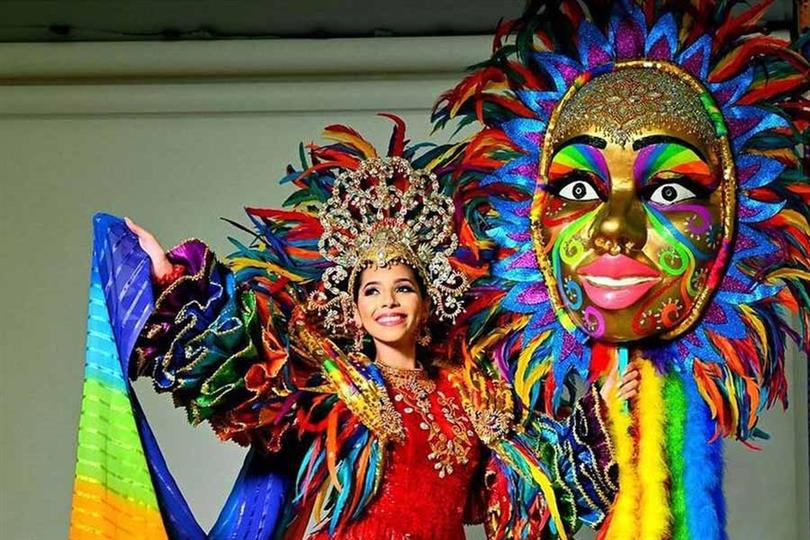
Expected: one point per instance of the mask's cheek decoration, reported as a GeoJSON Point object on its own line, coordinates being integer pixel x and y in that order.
{"type": "Point", "coordinates": [569, 248]}
{"type": "Point", "coordinates": [682, 241]}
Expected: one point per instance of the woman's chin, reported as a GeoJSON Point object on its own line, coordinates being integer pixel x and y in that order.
{"type": "Point", "coordinates": [396, 339]}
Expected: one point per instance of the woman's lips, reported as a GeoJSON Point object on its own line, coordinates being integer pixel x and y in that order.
{"type": "Point", "coordinates": [615, 282]}
{"type": "Point", "coordinates": [390, 319]}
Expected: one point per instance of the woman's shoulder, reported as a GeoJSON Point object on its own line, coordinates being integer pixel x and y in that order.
{"type": "Point", "coordinates": [444, 366]}
{"type": "Point", "coordinates": [448, 373]}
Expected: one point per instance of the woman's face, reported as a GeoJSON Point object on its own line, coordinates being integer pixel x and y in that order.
{"type": "Point", "coordinates": [630, 226]}
{"type": "Point", "coordinates": [390, 305]}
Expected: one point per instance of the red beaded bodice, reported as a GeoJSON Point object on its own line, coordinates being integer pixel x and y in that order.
{"type": "Point", "coordinates": [428, 477]}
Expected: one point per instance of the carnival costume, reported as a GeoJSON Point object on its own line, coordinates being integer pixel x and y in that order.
{"type": "Point", "coordinates": [634, 193]}
{"type": "Point", "coordinates": [255, 347]}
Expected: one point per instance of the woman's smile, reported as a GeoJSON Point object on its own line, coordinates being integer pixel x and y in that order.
{"type": "Point", "coordinates": [391, 318]}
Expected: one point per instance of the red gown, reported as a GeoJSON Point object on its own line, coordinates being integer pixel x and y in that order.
{"type": "Point", "coordinates": [431, 483]}
{"type": "Point", "coordinates": [429, 476]}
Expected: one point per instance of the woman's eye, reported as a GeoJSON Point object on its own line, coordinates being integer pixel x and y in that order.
{"type": "Point", "coordinates": [578, 190]}
{"type": "Point", "coordinates": [405, 288]}
{"type": "Point", "coordinates": [671, 193]}
{"type": "Point", "coordinates": [369, 291]}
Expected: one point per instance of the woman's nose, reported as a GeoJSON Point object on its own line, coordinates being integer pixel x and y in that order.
{"type": "Point", "coordinates": [621, 225]}
{"type": "Point", "coordinates": [390, 299]}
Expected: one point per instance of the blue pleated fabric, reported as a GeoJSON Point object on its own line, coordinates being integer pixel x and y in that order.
{"type": "Point", "coordinates": [258, 496]}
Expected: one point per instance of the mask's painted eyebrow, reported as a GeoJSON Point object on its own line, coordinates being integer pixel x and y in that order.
{"type": "Point", "coordinates": [590, 140]}
{"type": "Point", "coordinates": [638, 144]}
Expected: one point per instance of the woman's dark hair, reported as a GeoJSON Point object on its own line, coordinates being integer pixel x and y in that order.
{"type": "Point", "coordinates": [424, 355]}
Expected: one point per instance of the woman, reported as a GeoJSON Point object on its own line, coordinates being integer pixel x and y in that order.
{"type": "Point", "coordinates": [390, 440]}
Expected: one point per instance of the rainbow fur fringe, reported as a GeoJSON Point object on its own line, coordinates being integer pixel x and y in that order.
{"type": "Point", "coordinates": [670, 463]}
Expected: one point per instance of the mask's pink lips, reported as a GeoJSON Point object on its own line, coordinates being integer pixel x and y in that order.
{"type": "Point", "coordinates": [615, 282]}
{"type": "Point", "coordinates": [617, 267]}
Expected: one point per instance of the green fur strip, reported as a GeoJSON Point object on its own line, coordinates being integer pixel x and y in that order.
{"type": "Point", "coordinates": [675, 403]}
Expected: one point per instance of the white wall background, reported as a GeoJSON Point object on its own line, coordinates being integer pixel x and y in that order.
{"type": "Point", "coordinates": [175, 136]}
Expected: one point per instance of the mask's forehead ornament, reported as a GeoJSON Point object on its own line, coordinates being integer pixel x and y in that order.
{"type": "Point", "coordinates": [383, 213]}
{"type": "Point", "coordinates": [629, 101]}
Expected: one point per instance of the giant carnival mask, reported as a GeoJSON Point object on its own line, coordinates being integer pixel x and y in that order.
{"type": "Point", "coordinates": [634, 213]}
{"type": "Point", "coordinates": [634, 193]}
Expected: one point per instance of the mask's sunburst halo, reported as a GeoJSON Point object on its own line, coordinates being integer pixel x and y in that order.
{"type": "Point", "coordinates": [734, 347]}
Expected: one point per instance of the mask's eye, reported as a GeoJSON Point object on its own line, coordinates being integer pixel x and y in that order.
{"type": "Point", "coordinates": [671, 193]}
{"type": "Point", "coordinates": [578, 190]}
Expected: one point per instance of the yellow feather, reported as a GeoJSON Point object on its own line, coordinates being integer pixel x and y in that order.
{"type": "Point", "coordinates": [317, 509]}
{"type": "Point", "coordinates": [782, 273]}
{"type": "Point", "coordinates": [482, 345]}
{"type": "Point", "coordinates": [623, 515]}
{"type": "Point", "coordinates": [754, 321]}
{"type": "Point", "coordinates": [709, 401]}
{"type": "Point", "coordinates": [524, 384]}
{"type": "Point", "coordinates": [732, 403]}
{"type": "Point", "coordinates": [543, 482]}
{"type": "Point", "coordinates": [548, 492]}
{"type": "Point", "coordinates": [440, 158]}
{"type": "Point", "coordinates": [795, 219]}
{"type": "Point", "coordinates": [653, 472]}
{"type": "Point", "coordinates": [240, 263]}
{"type": "Point", "coordinates": [353, 139]}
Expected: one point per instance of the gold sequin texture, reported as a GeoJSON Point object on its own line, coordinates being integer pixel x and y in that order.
{"type": "Point", "coordinates": [626, 102]}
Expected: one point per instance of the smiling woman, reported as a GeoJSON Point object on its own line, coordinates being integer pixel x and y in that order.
{"type": "Point", "coordinates": [258, 347]}
{"type": "Point", "coordinates": [393, 308]}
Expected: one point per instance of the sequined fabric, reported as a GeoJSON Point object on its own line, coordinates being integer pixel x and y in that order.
{"type": "Point", "coordinates": [201, 344]}
{"type": "Point", "coordinates": [428, 477]}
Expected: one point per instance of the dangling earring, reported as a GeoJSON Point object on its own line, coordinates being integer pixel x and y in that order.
{"type": "Point", "coordinates": [424, 338]}
{"type": "Point", "coordinates": [359, 334]}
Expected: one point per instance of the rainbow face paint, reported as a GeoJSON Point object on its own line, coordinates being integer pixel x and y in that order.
{"type": "Point", "coordinates": [628, 227]}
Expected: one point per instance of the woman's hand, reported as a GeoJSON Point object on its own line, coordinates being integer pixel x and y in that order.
{"type": "Point", "coordinates": [161, 266]}
{"type": "Point", "coordinates": [627, 387]}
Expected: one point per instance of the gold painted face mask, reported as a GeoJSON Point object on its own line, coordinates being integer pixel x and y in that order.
{"type": "Point", "coordinates": [634, 213]}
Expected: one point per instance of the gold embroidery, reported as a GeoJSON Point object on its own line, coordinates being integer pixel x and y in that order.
{"type": "Point", "coordinates": [364, 397]}
{"type": "Point", "coordinates": [626, 102]}
{"type": "Point", "coordinates": [488, 404]}
{"type": "Point", "coordinates": [413, 388]}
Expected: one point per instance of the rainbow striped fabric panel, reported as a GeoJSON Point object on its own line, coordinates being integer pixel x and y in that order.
{"type": "Point", "coordinates": [122, 482]}
{"type": "Point", "coordinates": [123, 488]}
{"type": "Point", "coordinates": [113, 495]}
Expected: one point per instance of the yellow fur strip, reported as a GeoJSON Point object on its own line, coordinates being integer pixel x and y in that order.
{"type": "Point", "coordinates": [653, 472]}
{"type": "Point", "coordinates": [623, 516]}
{"type": "Point", "coordinates": [98, 513]}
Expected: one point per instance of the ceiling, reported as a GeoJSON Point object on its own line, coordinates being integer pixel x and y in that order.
{"type": "Point", "coordinates": [129, 20]}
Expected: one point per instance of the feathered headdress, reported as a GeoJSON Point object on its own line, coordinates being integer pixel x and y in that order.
{"type": "Point", "coordinates": [367, 210]}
